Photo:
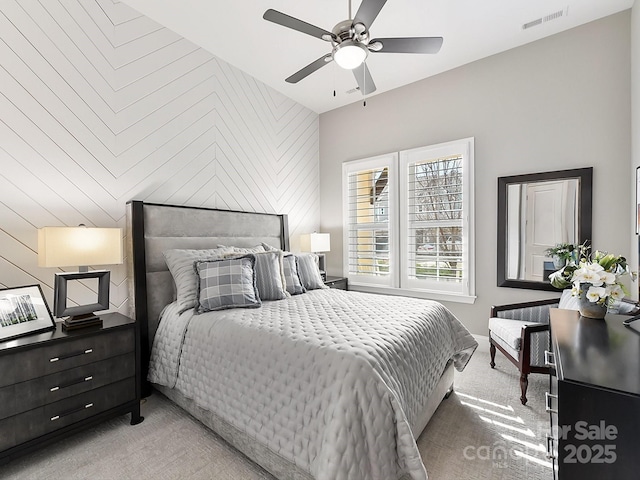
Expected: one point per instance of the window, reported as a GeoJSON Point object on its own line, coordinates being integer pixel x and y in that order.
{"type": "Point", "coordinates": [369, 200]}
{"type": "Point", "coordinates": [409, 223]}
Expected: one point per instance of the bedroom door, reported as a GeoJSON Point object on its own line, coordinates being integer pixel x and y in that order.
{"type": "Point", "coordinates": [546, 211]}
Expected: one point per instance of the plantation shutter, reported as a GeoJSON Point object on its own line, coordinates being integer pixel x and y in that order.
{"type": "Point", "coordinates": [369, 211]}
{"type": "Point", "coordinates": [435, 249]}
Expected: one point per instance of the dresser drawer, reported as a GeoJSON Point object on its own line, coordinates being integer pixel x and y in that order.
{"type": "Point", "coordinates": [28, 395]}
{"type": "Point", "coordinates": [40, 421]}
{"type": "Point", "coordinates": [63, 355]}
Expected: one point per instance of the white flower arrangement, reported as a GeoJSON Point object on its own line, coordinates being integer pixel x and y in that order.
{"type": "Point", "coordinates": [601, 284]}
{"type": "Point", "coordinates": [601, 274]}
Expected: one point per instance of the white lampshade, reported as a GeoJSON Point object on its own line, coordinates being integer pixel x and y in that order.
{"type": "Point", "coordinates": [349, 55]}
{"type": "Point", "coordinates": [79, 246]}
{"type": "Point", "coordinates": [315, 242]}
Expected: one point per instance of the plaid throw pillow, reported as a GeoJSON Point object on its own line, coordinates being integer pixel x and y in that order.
{"type": "Point", "coordinates": [180, 263]}
{"type": "Point", "coordinates": [226, 284]}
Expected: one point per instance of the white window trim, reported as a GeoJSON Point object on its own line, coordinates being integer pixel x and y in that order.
{"type": "Point", "coordinates": [398, 195]}
{"type": "Point", "coordinates": [387, 160]}
{"type": "Point", "coordinates": [458, 147]}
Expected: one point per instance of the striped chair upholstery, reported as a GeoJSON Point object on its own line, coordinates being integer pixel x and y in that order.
{"type": "Point", "coordinates": [521, 332]}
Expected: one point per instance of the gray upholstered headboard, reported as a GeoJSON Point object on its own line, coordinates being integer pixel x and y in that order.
{"type": "Point", "coordinates": [154, 228]}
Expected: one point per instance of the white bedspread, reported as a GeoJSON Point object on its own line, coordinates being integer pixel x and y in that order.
{"type": "Point", "coordinates": [331, 380]}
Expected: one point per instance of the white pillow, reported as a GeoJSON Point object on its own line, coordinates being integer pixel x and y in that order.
{"type": "Point", "coordinates": [245, 250]}
{"type": "Point", "coordinates": [568, 301]}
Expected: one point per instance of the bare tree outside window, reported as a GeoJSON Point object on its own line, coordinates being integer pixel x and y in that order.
{"type": "Point", "coordinates": [435, 206]}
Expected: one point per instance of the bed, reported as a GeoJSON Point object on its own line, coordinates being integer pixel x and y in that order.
{"type": "Point", "coordinates": [327, 384]}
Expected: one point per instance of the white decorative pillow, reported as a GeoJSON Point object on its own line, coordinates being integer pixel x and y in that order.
{"type": "Point", "coordinates": [270, 279]}
{"type": "Point", "coordinates": [244, 250]}
{"type": "Point", "coordinates": [309, 271]}
{"type": "Point", "coordinates": [180, 263]}
{"type": "Point", "coordinates": [290, 271]}
{"type": "Point", "coordinates": [226, 284]}
{"type": "Point", "coordinates": [269, 248]}
{"type": "Point", "coordinates": [568, 301]}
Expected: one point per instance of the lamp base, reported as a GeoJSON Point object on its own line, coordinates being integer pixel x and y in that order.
{"type": "Point", "coordinates": [81, 321]}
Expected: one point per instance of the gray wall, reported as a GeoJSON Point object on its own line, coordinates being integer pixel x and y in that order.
{"type": "Point", "coordinates": [561, 102]}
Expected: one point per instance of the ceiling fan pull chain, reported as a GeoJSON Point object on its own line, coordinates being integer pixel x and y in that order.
{"type": "Point", "coordinates": [334, 79]}
{"type": "Point", "coordinates": [364, 83]}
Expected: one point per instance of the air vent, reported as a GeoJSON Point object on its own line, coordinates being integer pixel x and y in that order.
{"type": "Point", "coordinates": [532, 24]}
{"type": "Point", "coordinates": [547, 18]}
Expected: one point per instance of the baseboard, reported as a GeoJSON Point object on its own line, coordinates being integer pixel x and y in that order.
{"type": "Point", "coordinates": [483, 343]}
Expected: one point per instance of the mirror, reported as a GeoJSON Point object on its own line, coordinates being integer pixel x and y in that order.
{"type": "Point", "coordinates": [535, 212]}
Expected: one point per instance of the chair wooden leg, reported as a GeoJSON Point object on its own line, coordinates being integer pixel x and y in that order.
{"type": "Point", "coordinates": [492, 351]}
{"type": "Point", "coordinates": [524, 383]}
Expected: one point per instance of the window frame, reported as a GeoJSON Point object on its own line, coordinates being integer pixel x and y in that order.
{"type": "Point", "coordinates": [399, 282]}
{"type": "Point", "coordinates": [388, 160]}
{"type": "Point", "coordinates": [464, 148]}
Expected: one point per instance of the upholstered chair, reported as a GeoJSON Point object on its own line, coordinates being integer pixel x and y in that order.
{"type": "Point", "coordinates": [521, 332]}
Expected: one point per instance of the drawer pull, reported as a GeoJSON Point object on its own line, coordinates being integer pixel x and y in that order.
{"type": "Point", "coordinates": [71, 355]}
{"type": "Point", "coordinates": [550, 439]}
{"type": "Point", "coordinates": [58, 417]}
{"type": "Point", "coordinates": [548, 356]}
{"type": "Point", "coordinates": [75, 382]}
{"type": "Point", "coordinates": [547, 402]}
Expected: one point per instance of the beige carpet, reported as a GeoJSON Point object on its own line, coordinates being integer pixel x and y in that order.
{"type": "Point", "coordinates": [481, 432]}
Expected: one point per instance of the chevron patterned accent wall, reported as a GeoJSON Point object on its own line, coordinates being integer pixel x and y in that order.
{"type": "Point", "coordinates": [100, 105]}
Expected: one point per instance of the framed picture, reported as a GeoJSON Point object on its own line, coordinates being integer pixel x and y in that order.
{"type": "Point", "coordinates": [23, 311]}
{"type": "Point", "coordinates": [637, 200]}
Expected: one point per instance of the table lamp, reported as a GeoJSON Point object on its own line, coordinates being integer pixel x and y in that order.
{"type": "Point", "coordinates": [79, 246]}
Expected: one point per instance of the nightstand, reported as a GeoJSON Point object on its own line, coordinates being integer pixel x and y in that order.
{"type": "Point", "coordinates": [56, 383]}
{"type": "Point", "coordinates": [341, 283]}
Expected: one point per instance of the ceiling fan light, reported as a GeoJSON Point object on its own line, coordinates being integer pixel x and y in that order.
{"type": "Point", "coordinates": [349, 54]}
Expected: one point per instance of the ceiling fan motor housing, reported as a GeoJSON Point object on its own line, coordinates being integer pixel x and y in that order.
{"type": "Point", "coordinates": [347, 30]}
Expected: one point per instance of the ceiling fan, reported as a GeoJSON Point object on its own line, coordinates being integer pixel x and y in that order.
{"type": "Point", "coordinates": [351, 43]}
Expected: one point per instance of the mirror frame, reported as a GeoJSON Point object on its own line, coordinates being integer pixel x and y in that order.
{"type": "Point", "coordinates": [585, 175]}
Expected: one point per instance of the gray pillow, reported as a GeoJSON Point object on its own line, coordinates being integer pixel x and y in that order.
{"type": "Point", "coordinates": [292, 280]}
{"type": "Point", "coordinates": [180, 263]}
{"type": "Point", "coordinates": [309, 271]}
{"type": "Point", "coordinates": [226, 284]}
{"type": "Point", "coordinates": [270, 279]}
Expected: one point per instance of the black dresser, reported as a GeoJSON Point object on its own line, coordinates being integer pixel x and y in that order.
{"type": "Point", "coordinates": [55, 383]}
{"type": "Point", "coordinates": [594, 397]}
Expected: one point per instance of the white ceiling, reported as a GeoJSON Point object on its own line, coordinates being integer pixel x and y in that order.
{"type": "Point", "coordinates": [472, 29]}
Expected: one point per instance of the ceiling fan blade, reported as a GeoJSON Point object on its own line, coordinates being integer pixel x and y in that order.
{"type": "Point", "coordinates": [364, 79]}
{"type": "Point", "coordinates": [368, 11]}
{"type": "Point", "coordinates": [309, 69]}
{"type": "Point", "coordinates": [408, 45]}
{"type": "Point", "coordinates": [295, 24]}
